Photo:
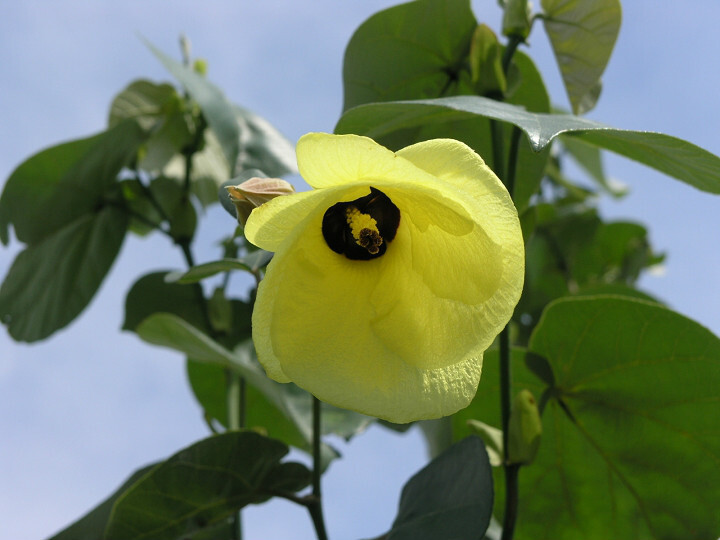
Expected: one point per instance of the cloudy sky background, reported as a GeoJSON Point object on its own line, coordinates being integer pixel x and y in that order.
{"type": "Point", "coordinates": [82, 410]}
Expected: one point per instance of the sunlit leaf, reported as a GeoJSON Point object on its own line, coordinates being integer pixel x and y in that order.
{"type": "Point", "coordinates": [670, 155]}
{"type": "Point", "coordinates": [630, 444]}
{"type": "Point", "coordinates": [206, 483]}
{"type": "Point", "coordinates": [582, 34]}
{"type": "Point", "coordinates": [412, 50]}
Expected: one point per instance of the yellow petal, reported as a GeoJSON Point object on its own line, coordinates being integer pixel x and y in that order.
{"type": "Point", "coordinates": [316, 322]}
{"type": "Point", "coordinates": [401, 336]}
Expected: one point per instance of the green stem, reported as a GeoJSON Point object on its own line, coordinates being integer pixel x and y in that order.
{"type": "Point", "coordinates": [509, 51]}
{"type": "Point", "coordinates": [234, 400]}
{"type": "Point", "coordinates": [496, 132]}
{"type": "Point", "coordinates": [235, 421]}
{"type": "Point", "coordinates": [511, 501]}
{"type": "Point", "coordinates": [315, 506]}
{"type": "Point", "coordinates": [511, 470]}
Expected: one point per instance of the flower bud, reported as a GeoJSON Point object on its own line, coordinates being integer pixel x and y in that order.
{"type": "Point", "coordinates": [525, 429]}
{"type": "Point", "coordinates": [254, 192]}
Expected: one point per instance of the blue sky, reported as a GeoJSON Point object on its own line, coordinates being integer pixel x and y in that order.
{"type": "Point", "coordinates": [82, 410]}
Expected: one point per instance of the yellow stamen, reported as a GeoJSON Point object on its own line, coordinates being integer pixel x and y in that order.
{"type": "Point", "coordinates": [364, 229]}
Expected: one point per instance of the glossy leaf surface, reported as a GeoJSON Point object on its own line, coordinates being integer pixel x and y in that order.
{"type": "Point", "coordinates": [670, 155]}
{"type": "Point", "coordinates": [582, 35]}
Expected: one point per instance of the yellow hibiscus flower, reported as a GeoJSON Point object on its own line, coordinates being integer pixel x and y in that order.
{"type": "Point", "coordinates": [390, 278]}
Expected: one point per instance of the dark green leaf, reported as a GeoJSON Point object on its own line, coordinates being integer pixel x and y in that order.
{"type": "Point", "coordinates": [152, 294]}
{"type": "Point", "coordinates": [582, 35]}
{"type": "Point", "coordinates": [62, 184]}
{"type": "Point", "coordinates": [630, 447]}
{"type": "Point", "coordinates": [177, 207]}
{"type": "Point", "coordinates": [144, 217]}
{"type": "Point", "coordinates": [452, 497]}
{"type": "Point", "coordinates": [252, 262]}
{"type": "Point", "coordinates": [670, 155]}
{"type": "Point", "coordinates": [203, 485]}
{"type": "Point", "coordinates": [417, 49]}
{"type": "Point", "coordinates": [92, 525]}
{"type": "Point", "coordinates": [52, 281]}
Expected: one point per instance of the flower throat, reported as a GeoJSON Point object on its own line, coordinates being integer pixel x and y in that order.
{"type": "Point", "coordinates": [361, 229]}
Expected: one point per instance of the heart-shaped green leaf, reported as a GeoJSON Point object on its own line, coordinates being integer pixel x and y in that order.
{"type": "Point", "coordinates": [630, 444]}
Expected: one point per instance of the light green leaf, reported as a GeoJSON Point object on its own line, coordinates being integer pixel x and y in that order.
{"type": "Point", "coordinates": [171, 331]}
{"type": "Point", "coordinates": [582, 34]}
{"type": "Point", "coordinates": [262, 146]}
{"type": "Point", "coordinates": [143, 101]}
{"type": "Point", "coordinates": [630, 444]}
{"type": "Point", "coordinates": [66, 182]}
{"type": "Point", "coordinates": [216, 108]}
{"type": "Point", "coordinates": [452, 497]}
{"type": "Point", "coordinates": [417, 49]}
{"type": "Point", "coordinates": [485, 58]}
{"type": "Point", "coordinates": [160, 110]}
{"type": "Point", "coordinates": [252, 262]}
{"type": "Point", "coordinates": [209, 385]}
{"type": "Point", "coordinates": [51, 282]}
{"type": "Point", "coordinates": [245, 139]}
{"type": "Point", "coordinates": [202, 485]}
{"type": "Point", "coordinates": [590, 159]}
{"type": "Point", "coordinates": [670, 155]}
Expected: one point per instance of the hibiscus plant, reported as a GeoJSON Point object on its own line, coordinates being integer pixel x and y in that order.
{"type": "Point", "coordinates": [443, 269]}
